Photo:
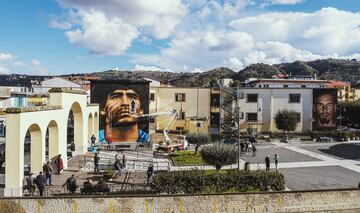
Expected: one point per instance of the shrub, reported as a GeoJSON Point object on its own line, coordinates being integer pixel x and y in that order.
{"type": "Point", "coordinates": [198, 139]}
{"type": "Point", "coordinates": [219, 155]}
{"type": "Point", "coordinates": [196, 181]}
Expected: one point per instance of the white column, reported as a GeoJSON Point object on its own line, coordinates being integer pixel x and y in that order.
{"type": "Point", "coordinates": [14, 162]}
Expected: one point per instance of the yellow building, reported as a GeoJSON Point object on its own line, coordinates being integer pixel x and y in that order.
{"type": "Point", "coordinates": [193, 104]}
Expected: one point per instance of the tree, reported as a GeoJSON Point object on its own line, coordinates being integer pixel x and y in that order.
{"type": "Point", "coordinates": [286, 120]}
{"type": "Point", "coordinates": [219, 155]}
{"type": "Point", "coordinates": [197, 139]}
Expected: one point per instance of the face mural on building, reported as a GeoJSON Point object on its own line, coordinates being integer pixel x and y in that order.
{"type": "Point", "coordinates": [324, 108]}
{"type": "Point", "coordinates": [122, 104]}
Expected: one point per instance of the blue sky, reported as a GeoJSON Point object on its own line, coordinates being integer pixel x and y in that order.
{"type": "Point", "coordinates": [77, 36]}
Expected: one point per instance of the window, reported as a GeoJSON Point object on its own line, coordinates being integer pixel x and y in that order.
{"type": "Point", "coordinates": [298, 117]}
{"type": "Point", "coordinates": [180, 128]}
{"type": "Point", "coordinates": [303, 86]}
{"type": "Point", "coordinates": [152, 96]}
{"type": "Point", "coordinates": [180, 97]}
{"type": "Point", "coordinates": [286, 86]}
{"type": "Point", "coordinates": [252, 98]}
{"type": "Point", "coordinates": [251, 116]}
{"type": "Point", "coordinates": [198, 125]}
{"type": "Point", "coordinates": [266, 85]}
{"type": "Point", "coordinates": [294, 98]}
{"type": "Point", "coordinates": [260, 85]}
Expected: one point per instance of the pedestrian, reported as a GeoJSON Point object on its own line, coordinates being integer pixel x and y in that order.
{"type": "Point", "coordinates": [48, 173]}
{"type": "Point", "coordinates": [71, 184]}
{"type": "Point", "coordinates": [117, 166]}
{"type": "Point", "coordinates": [93, 139]}
{"type": "Point", "coordinates": [2, 158]}
{"type": "Point", "coordinates": [124, 161]}
{"type": "Point", "coordinates": [150, 173]}
{"type": "Point", "coordinates": [59, 164]}
{"type": "Point", "coordinates": [246, 146]}
{"type": "Point", "coordinates": [276, 159]}
{"type": "Point", "coordinates": [254, 150]}
{"type": "Point", "coordinates": [40, 183]}
{"type": "Point", "coordinates": [267, 163]}
{"type": "Point", "coordinates": [72, 148]}
{"type": "Point", "coordinates": [242, 147]}
{"type": "Point", "coordinates": [96, 163]}
{"type": "Point", "coordinates": [30, 184]}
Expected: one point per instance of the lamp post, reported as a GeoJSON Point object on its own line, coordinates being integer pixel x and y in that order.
{"type": "Point", "coordinates": [237, 117]}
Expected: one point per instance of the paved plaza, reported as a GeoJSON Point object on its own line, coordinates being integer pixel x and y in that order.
{"type": "Point", "coordinates": [306, 166]}
{"type": "Point", "coordinates": [309, 166]}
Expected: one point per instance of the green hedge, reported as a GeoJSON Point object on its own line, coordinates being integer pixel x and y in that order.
{"type": "Point", "coordinates": [197, 181]}
{"type": "Point", "coordinates": [332, 134]}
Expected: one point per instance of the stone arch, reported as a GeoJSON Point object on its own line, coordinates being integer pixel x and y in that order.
{"type": "Point", "coordinates": [96, 125]}
{"type": "Point", "coordinates": [90, 126]}
{"type": "Point", "coordinates": [78, 126]}
{"type": "Point", "coordinates": [53, 139]}
{"type": "Point", "coordinates": [37, 148]}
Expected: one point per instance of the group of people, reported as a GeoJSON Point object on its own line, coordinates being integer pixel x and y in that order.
{"type": "Point", "coordinates": [44, 178]}
{"type": "Point", "coordinates": [248, 146]}
{"type": "Point", "coordinates": [267, 162]}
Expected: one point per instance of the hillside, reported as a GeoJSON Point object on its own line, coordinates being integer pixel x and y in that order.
{"type": "Point", "coordinates": [345, 70]}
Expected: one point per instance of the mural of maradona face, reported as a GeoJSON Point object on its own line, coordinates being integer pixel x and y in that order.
{"type": "Point", "coordinates": [324, 108]}
{"type": "Point", "coordinates": [120, 109]}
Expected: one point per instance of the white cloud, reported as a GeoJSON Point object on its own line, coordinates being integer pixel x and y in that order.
{"type": "Point", "coordinates": [37, 68]}
{"type": "Point", "coordinates": [5, 57]}
{"type": "Point", "coordinates": [103, 36]}
{"type": "Point", "coordinates": [59, 25]}
{"type": "Point", "coordinates": [326, 31]}
{"type": "Point", "coordinates": [148, 68]}
{"type": "Point", "coordinates": [214, 48]}
{"type": "Point", "coordinates": [103, 25]}
{"type": "Point", "coordinates": [284, 2]}
{"type": "Point", "coordinates": [145, 40]}
{"type": "Point", "coordinates": [4, 70]}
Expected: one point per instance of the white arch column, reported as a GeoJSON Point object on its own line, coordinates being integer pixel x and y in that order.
{"type": "Point", "coordinates": [96, 125]}
{"type": "Point", "coordinates": [90, 128]}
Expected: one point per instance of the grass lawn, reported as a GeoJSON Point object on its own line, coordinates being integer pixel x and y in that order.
{"type": "Point", "coordinates": [185, 157]}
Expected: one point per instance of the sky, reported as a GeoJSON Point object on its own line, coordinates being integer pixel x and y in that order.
{"type": "Point", "coordinates": [52, 37]}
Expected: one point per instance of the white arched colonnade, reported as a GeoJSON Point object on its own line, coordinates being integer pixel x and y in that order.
{"type": "Point", "coordinates": [53, 117]}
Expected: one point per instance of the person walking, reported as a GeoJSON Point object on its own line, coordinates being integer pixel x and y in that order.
{"type": "Point", "coordinates": [2, 158]}
{"type": "Point", "coordinates": [150, 173]}
{"type": "Point", "coordinates": [96, 163]}
{"type": "Point", "coordinates": [124, 161]}
{"type": "Point", "coordinates": [59, 164]}
{"type": "Point", "coordinates": [276, 159]}
{"type": "Point", "coordinates": [40, 182]}
{"type": "Point", "coordinates": [30, 184]}
{"type": "Point", "coordinates": [93, 140]}
{"type": "Point", "coordinates": [267, 163]}
{"type": "Point", "coordinates": [48, 173]}
{"type": "Point", "coordinates": [254, 150]}
{"type": "Point", "coordinates": [71, 184]}
{"type": "Point", "coordinates": [72, 148]}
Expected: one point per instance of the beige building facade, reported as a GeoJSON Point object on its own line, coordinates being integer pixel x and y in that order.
{"type": "Point", "coordinates": [193, 104]}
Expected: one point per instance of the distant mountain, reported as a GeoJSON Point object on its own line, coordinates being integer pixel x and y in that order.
{"type": "Point", "coordinates": [327, 69]}
{"type": "Point", "coordinates": [202, 79]}
{"type": "Point", "coordinates": [344, 70]}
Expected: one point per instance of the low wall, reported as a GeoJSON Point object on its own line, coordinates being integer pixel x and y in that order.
{"type": "Point", "coordinates": [304, 201]}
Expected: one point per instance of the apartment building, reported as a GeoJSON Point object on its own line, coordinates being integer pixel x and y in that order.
{"type": "Point", "coordinates": [193, 104]}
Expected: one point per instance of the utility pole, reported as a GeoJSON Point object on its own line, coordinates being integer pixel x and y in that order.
{"type": "Point", "coordinates": [237, 117]}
